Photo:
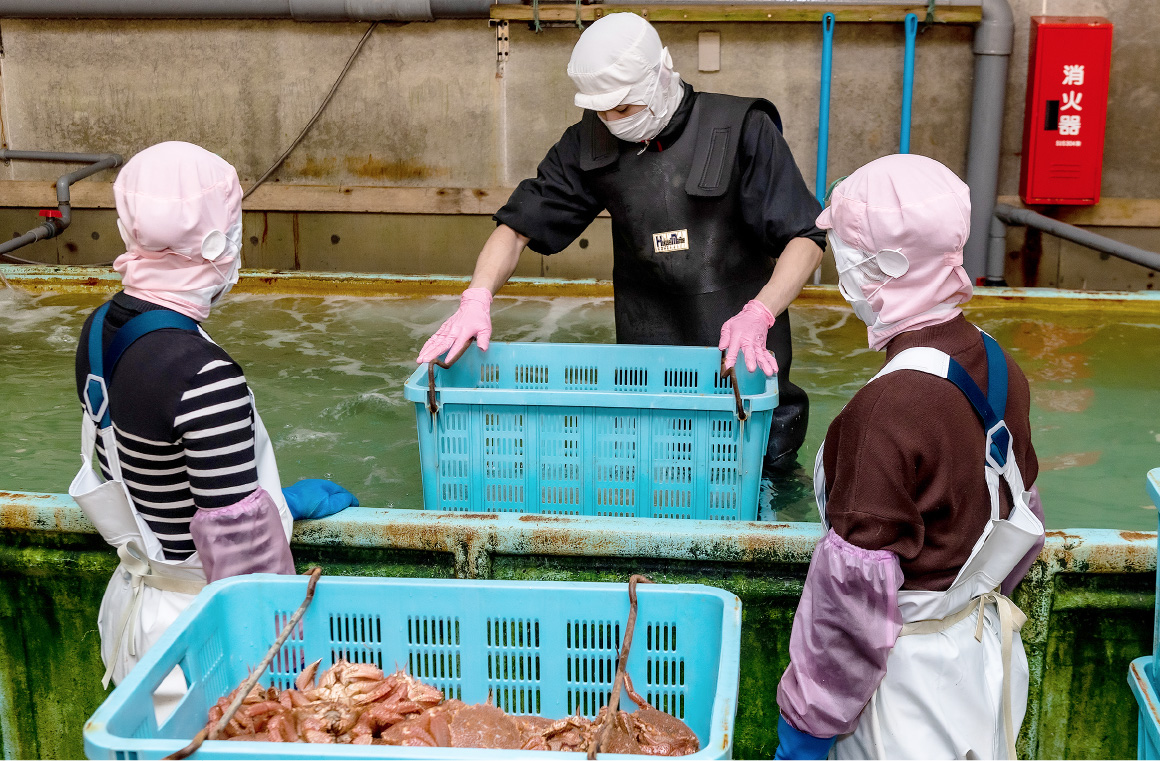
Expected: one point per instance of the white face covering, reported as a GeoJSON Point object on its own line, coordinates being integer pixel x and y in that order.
{"type": "Point", "coordinates": [214, 247]}
{"type": "Point", "coordinates": [661, 100]}
{"type": "Point", "coordinates": [859, 271]}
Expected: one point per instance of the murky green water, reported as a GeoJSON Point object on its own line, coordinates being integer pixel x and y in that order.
{"type": "Point", "coordinates": [328, 374]}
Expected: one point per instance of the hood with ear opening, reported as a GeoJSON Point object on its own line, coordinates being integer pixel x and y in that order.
{"type": "Point", "coordinates": [179, 210]}
{"type": "Point", "coordinates": [913, 205]}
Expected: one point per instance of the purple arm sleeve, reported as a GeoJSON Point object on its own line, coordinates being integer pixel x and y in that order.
{"type": "Point", "coordinates": [1024, 566]}
{"type": "Point", "coordinates": [246, 537]}
{"type": "Point", "coordinates": [845, 627]}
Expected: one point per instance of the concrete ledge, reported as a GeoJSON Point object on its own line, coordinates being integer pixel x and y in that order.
{"type": "Point", "coordinates": [76, 279]}
{"type": "Point", "coordinates": [470, 536]}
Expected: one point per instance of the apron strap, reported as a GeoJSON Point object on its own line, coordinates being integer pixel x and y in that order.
{"type": "Point", "coordinates": [146, 322]}
{"type": "Point", "coordinates": [1011, 620]}
{"type": "Point", "coordinates": [96, 393]}
{"type": "Point", "coordinates": [142, 574]}
{"type": "Point", "coordinates": [102, 363]}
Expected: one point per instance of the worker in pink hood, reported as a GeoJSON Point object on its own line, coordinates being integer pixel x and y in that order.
{"type": "Point", "coordinates": [904, 644]}
{"type": "Point", "coordinates": [188, 489]}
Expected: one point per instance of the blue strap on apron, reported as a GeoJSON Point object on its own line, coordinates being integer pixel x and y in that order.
{"type": "Point", "coordinates": [992, 406]}
{"type": "Point", "coordinates": [102, 363]}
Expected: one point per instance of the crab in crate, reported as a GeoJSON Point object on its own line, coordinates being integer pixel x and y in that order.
{"type": "Point", "coordinates": [357, 703]}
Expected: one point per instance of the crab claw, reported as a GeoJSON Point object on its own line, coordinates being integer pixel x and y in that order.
{"type": "Point", "coordinates": [305, 679]}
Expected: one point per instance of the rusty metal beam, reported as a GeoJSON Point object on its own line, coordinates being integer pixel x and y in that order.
{"type": "Point", "coordinates": [742, 12]}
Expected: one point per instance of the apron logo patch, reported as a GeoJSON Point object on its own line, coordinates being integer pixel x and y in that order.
{"type": "Point", "coordinates": [674, 240]}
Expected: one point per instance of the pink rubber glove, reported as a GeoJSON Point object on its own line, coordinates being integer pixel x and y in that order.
{"type": "Point", "coordinates": [746, 331]}
{"type": "Point", "coordinates": [471, 320]}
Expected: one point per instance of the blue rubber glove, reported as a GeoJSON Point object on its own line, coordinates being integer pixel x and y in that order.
{"type": "Point", "coordinates": [317, 498]}
{"type": "Point", "coordinates": [793, 743]}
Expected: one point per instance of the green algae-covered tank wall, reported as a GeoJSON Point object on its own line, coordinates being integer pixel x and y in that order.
{"type": "Point", "coordinates": [1089, 601]}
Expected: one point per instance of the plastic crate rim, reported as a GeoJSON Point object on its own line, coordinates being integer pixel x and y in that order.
{"type": "Point", "coordinates": [416, 387]}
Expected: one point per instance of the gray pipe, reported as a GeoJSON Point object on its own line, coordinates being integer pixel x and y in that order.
{"type": "Point", "coordinates": [993, 42]}
{"type": "Point", "coordinates": [53, 227]}
{"type": "Point", "coordinates": [1028, 218]}
{"type": "Point", "coordinates": [72, 158]}
{"type": "Point", "coordinates": [996, 252]}
{"type": "Point", "coordinates": [41, 232]}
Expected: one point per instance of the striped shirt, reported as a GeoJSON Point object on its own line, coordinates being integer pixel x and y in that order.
{"type": "Point", "coordinates": [183, 423]}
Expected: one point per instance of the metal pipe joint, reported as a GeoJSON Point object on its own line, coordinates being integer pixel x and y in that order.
{"type": "Point", "coordinates": [54, 226]}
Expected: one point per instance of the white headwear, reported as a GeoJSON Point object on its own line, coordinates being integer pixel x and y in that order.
{"type": "Point", "coordinates": [619, 60]}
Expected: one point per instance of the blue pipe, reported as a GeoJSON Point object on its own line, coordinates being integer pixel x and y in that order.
{"type": "Point", "coordinates": [908, 82]}
{"type": "Point", "coordinates": [824, 108]}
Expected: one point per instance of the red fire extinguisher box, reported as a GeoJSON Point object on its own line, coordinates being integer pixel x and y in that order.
{"type": "Point", "coordinates": [1067, 108]}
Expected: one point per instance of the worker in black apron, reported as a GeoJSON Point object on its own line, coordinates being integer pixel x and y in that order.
{"type": "Point", "coordinates": [712, 224]}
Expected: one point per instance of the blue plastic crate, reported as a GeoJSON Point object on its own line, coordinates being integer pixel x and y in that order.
{"type": "Point", "coordinates": [1153, 487]}
{"type": "Point", "coordinates": [546, 648]}
{"type": "Point", "coordinates": [1141, 680]}
{"type": "Point", "coordinates": [593, 429]}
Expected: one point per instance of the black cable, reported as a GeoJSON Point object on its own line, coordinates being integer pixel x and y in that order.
{"type": "Point", "coordinates": [334, 88]}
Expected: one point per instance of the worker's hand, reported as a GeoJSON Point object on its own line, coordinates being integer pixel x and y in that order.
{"type": "Point", "coordinates": [471, 320]}
{"type": "Point", "coordinates": [317, 498]}
{"type": "Point", "coordinates": [793, 743]}
{"type": "Point", "coordinates": [746, 332]}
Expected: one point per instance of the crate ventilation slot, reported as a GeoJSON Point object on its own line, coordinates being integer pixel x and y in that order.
{"type": "Point", "coordinates": [291, 658]}
{"type": "Point", "coordinates": [580, 378]}
{"type": "Point", "coordinates": [665, 686]}
{"type": "Point", "coordinates": [630, 379]}
{"type": "Point", "coordinates": [513, 664]}
{"type": "Point", "coordinates": [681, 381]}
{"type": "Point", "coordinates": [433, 653]}
{"type": "Point", "coordinates": [591, 649]}
{"type": "Point", "coordinates": [531, 376]}
{"type": "Point", "coordinates": [356, 638]}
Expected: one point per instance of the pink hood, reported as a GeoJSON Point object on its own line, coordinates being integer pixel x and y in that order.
{"type": "Point", "coordinates": [179, 208]}
{"type": "Point", "coordinates": [915, 205]}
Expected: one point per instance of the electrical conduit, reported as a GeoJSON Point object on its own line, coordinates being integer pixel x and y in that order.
{"type": "Point", "coordinates": [907, 82]}
{"type": "Point", "coordinates": [824, 118]}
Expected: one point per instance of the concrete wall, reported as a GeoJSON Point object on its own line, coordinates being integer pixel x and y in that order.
{"type": "Point", "coordinates": [423, 107]}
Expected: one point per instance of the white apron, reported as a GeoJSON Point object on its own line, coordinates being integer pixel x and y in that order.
{"type": "Point", "coordinates": [955, 686]}
{"type": "Point", "coordinates": [147, 592]}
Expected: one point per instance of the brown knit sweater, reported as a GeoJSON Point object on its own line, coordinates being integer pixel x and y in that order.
{"type": "Point", "coordinates": [904, 459]}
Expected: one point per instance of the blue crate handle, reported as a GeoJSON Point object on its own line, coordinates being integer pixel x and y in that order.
{"type": "Point", "coordinates": [432, 405]}
{"type": "Point", "coordinates": [731, 373]}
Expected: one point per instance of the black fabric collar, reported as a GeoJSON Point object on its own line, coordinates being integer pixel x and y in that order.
{"type": "Point", "coordinates": [134, 304]}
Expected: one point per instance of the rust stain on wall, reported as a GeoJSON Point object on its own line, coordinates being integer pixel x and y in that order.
{"type": "Point", "coordinates": [389, 169]}
{"type": "Point", "coordinates": [315, 168]}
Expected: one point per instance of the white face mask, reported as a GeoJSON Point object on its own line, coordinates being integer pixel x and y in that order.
{"type": "Point", "coordinates": [660, 103]}
{"type": "Point", "coordinates": [231, 245]}
{"type": "Point", "coordinates": [641, 126]}
{"type": "Point", "coordinates": [859, 271]}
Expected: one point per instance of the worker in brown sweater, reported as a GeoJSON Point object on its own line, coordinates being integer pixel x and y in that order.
{"type": "Point", "coordinates": [904, 644]}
